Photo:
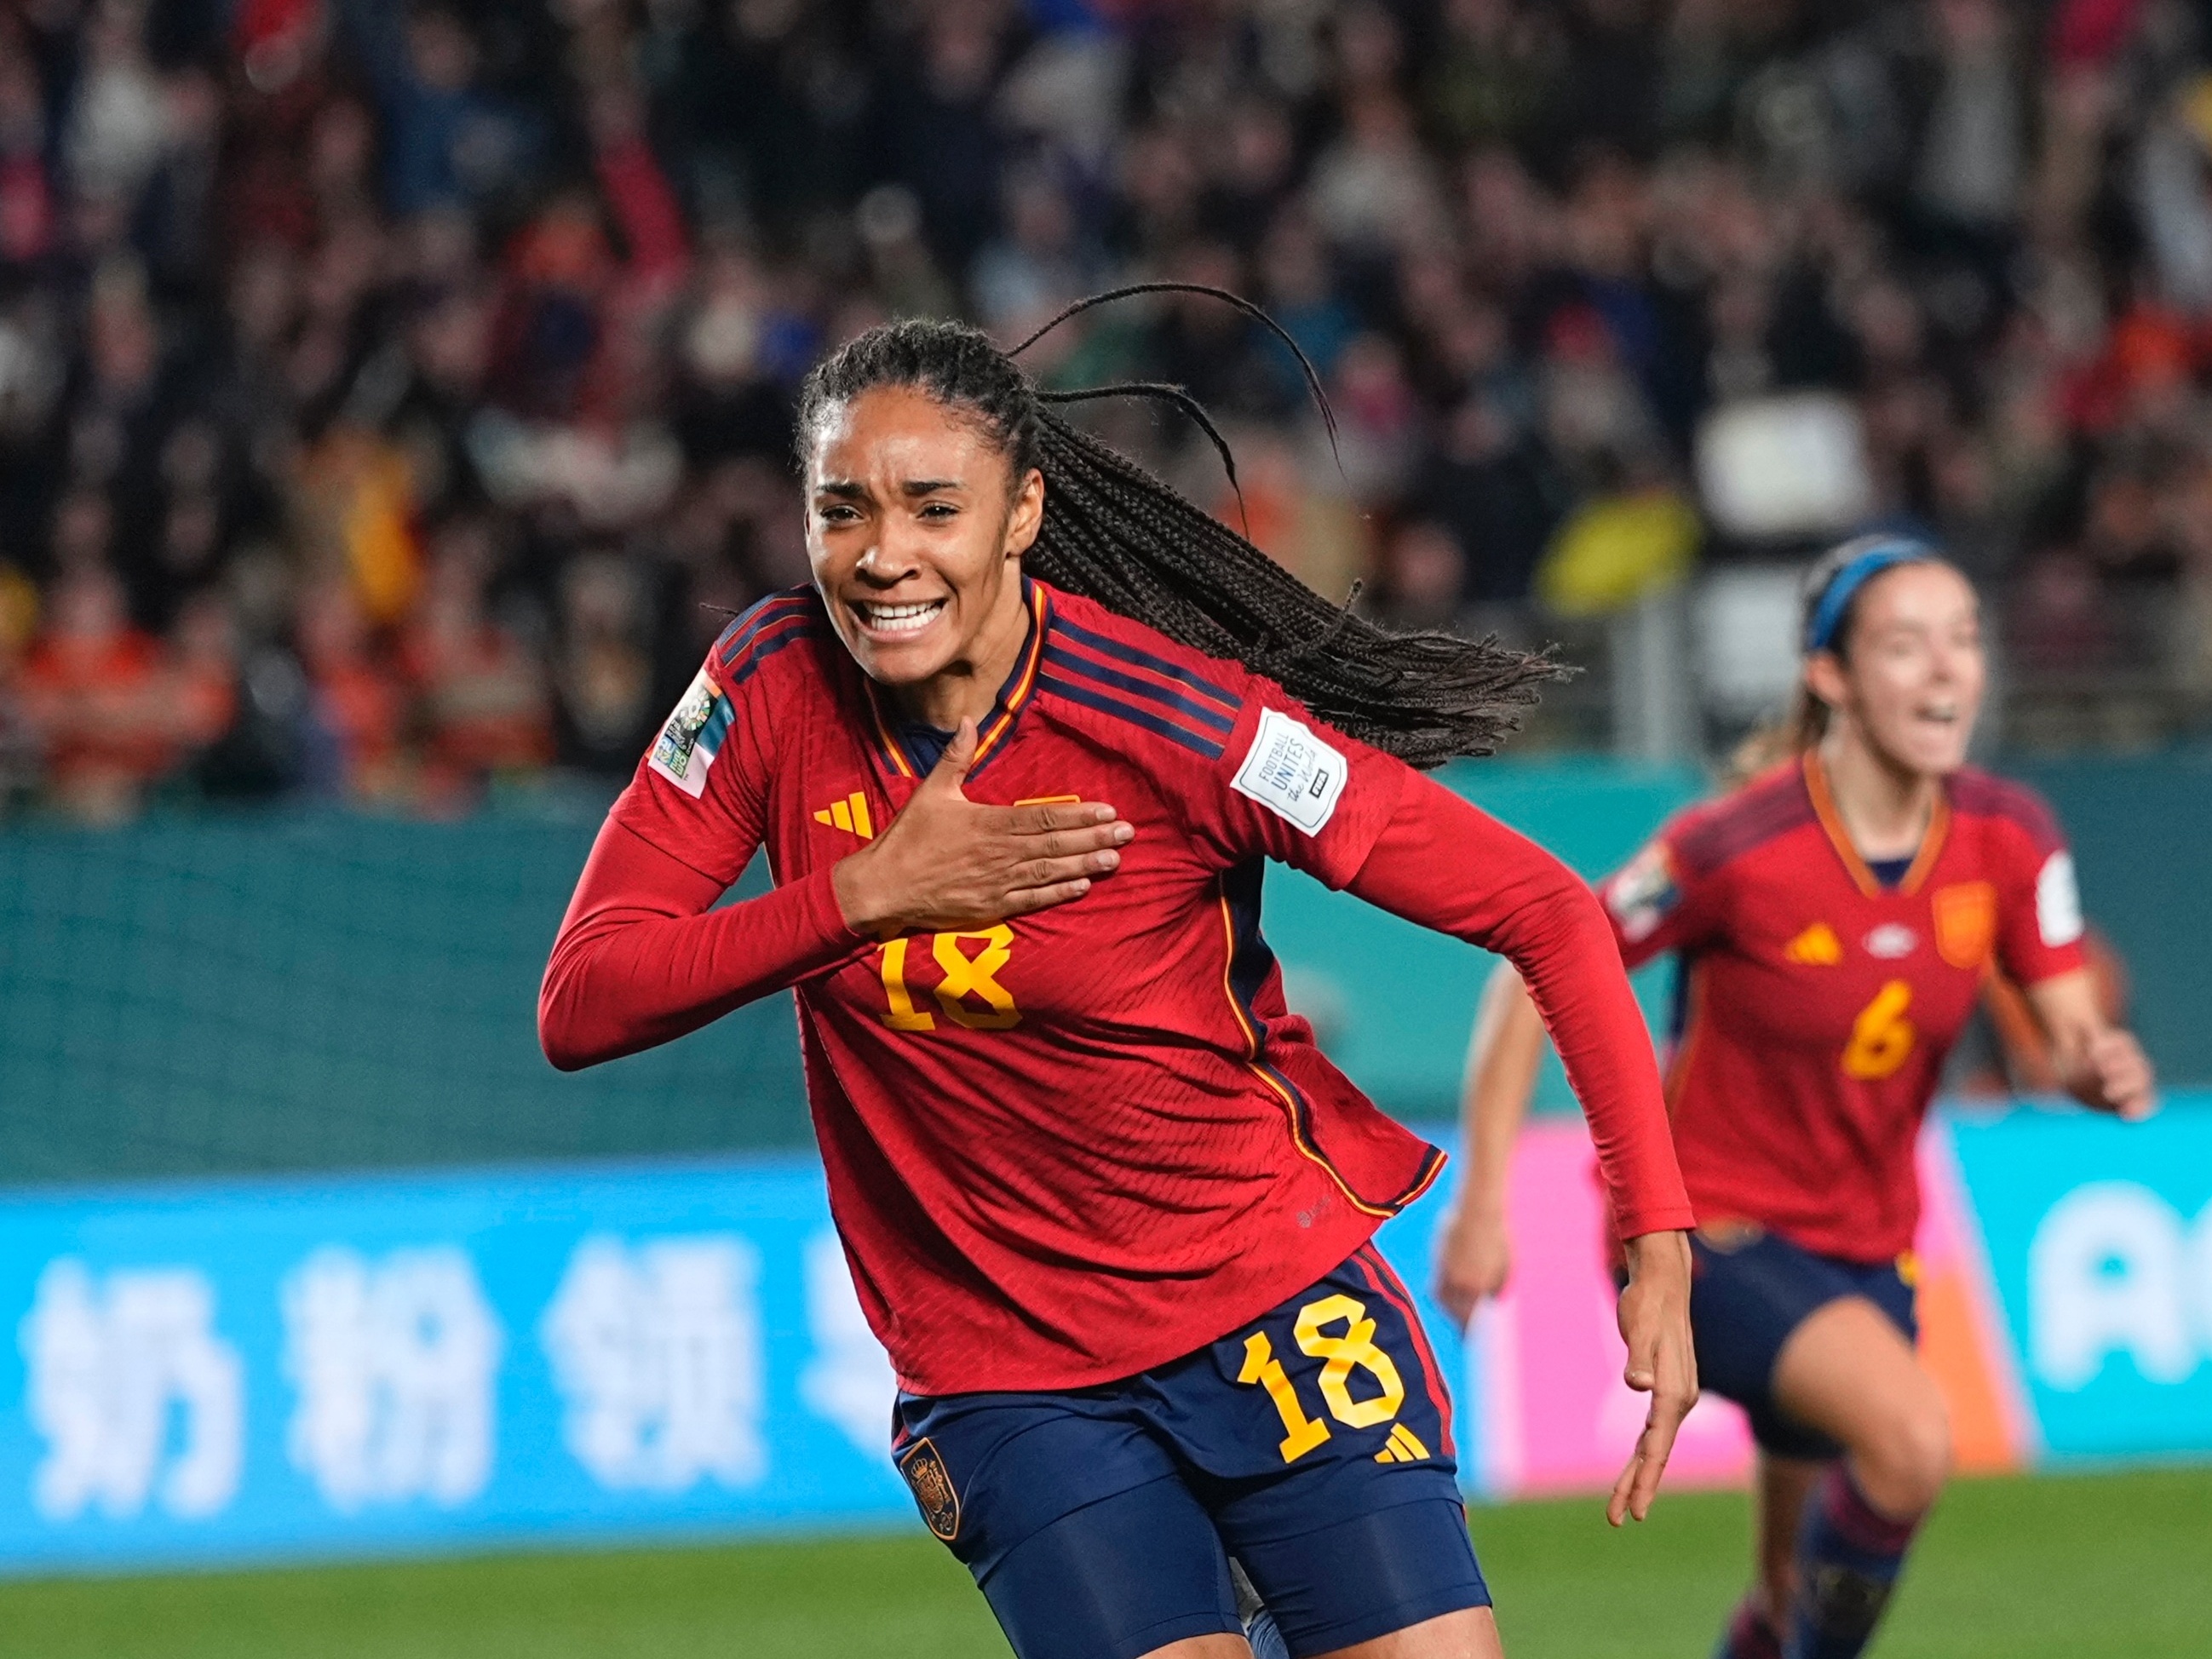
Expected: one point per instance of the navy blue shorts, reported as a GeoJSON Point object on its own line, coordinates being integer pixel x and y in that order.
{"type": "Point", "coordinates": [1313, 1444]}
{"type": "Point", "coordinates": [1748, 1293]}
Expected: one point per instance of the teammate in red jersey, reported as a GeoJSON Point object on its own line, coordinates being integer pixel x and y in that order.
{"type": "Point", "coordinates": [1106, 1204]}
{"type": "Point", "coordinates": [1836, 919]}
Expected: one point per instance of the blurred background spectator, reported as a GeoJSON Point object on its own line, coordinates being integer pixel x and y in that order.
{"type": "Point", "coordinates": [395, 397]}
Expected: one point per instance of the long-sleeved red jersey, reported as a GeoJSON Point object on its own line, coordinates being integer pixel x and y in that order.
{"type": "Point", "coordinates": [1819, 1003]}
{"type": "Point", "coordinates": [1063, 1149]}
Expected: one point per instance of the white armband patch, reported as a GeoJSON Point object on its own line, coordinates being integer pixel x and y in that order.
{"type": "Point", "coordinates": [2058, 900]}
{"type": "Point", "coordinates": [1292, 773]}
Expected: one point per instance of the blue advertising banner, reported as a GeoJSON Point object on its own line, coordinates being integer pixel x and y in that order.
{"type": "Point", "coordinates": [276, 1368]}
{"type": "Point", "coordinates": [267, 1370]}
{"type": "Point", "coordinates": [2099, 1237]}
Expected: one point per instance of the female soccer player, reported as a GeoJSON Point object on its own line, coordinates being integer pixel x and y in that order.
{"type": "Point", "coordinates": [1105, 1203]}
{"type": "Point", "coordinates": [1835, 920]}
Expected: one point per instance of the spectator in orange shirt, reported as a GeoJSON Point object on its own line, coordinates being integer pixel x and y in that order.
{"type": "Point", "coordinates": [93, 692]}
{"type": "Point", "coordinates": [482, 693]}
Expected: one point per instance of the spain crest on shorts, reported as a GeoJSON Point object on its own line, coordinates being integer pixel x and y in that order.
{"type": "Point", "coordinates": [931, 1484]}
{"type": "Point", "coordinates": [1966, 922]}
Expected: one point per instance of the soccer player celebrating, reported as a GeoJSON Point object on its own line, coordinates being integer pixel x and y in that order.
{"type": "Point", "coordinates": [1835, 920]}
{"type": "Point", "coordinates": [1105, 1202]}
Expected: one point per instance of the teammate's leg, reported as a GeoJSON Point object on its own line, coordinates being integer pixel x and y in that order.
{"type": "Point", "coordinates": [1778, 1504]}
{"type": "Point", "coordinates": [1469, 1634]}
{"type": "Point", "coordinates": [1261, 1631]}
{"type": "Point", "coordinates": [1849, 1372]}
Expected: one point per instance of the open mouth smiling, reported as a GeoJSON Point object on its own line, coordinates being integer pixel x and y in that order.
{"type": "Point", "coordinates": [887, 620]}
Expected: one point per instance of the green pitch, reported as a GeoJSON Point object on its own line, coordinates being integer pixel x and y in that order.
{"type": "Point", "coordinates": [2083, 1567]}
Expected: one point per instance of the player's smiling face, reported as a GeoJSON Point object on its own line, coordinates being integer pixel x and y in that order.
{"type": "Point", "coordinates": [916, 528]}
{"type": "Point", "coordinates": [1913, 677]}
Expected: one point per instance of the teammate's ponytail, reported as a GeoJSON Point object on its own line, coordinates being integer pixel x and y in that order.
{"type": "Point", "coordinates": [1115, 533]}
{"type": "Point", "coordinates": [1828, 609]}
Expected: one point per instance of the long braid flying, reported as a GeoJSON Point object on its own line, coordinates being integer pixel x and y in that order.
{"type": "Point", "coordinates": [1115, 533]}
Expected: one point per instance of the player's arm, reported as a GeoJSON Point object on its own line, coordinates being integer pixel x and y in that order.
{"type": "Point", "coordinates": [2099, 1064]}
{"type": "Point", "coordinates": [643, 958]}
{"type": "Point", "coordinates": [1475, 1253]}
{"type": "Point", "coordinates": [2040, 945]}
{"type": "Point", "coordinates": [1441, 863]}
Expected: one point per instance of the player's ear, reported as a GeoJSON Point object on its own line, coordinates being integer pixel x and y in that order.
{"type": "Point", "coordinates": [1024, 513]}
{"type": "Point", "coordinates": [1826, 679]}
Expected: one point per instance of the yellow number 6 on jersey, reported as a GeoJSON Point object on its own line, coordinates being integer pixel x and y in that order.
{"type": "Point", "coordinates": [1881, 1036]}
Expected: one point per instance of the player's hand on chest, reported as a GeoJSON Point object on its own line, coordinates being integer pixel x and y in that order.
{"type": "Point", "coordinates": [989, 933]}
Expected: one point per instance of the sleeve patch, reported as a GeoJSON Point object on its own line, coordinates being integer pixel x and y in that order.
{"type": "Point", "coordinates": [685, 751]}
{"type": "Point", "coordinates": [1642, 893]}
{"type": "Point", "coordinates": [1292, 773]}
{"type": "Point", "coordinates": [2057, 900]}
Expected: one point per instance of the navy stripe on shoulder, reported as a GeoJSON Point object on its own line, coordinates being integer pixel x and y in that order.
{"type": "Point", "coordinates": [795, 606]}
{"type": "Point", "coordinates": [1206, 714]}
{"type": "Point", "coordinates": [766, 646]}
{"type": "Point", "coordinates": [1976, 793]}
{"type": "Point", "coordinates": [1759, 812]}
{"type": "Point", "coordinates": [1092, 697]}
{"type": "Point", "coordinates": [1189, 678]}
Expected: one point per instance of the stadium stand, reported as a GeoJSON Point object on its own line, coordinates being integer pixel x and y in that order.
{"type": "Point", "coordinates": [394, 399]}
{"type": "Point", "coordinates": [390, 396]}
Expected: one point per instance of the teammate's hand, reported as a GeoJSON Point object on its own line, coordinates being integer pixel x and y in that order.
{"type": "Point", "coordinates": [947, 862]}
{"type": "Point", "coordinates": [1474, 1261]}
{"type": "Point", "coordinates": [1654, 1322]}
{"type": "Point", "coordinates": [2116, 1076]}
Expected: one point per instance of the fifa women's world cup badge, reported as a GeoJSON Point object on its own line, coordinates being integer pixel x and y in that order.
{"type": "Point", "coordinates": [693, 736]}
{"type": "Point", "coordinates": [1642, 893]}
{"type": "Point", "coordinates": [926, 1474]}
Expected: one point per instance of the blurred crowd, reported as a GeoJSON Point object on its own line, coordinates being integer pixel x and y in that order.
{"type": "Point", "coordinates": [395, 398]}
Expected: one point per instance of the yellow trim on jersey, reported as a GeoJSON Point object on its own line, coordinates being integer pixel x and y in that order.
{"type": "Point", "coordinates": [891, 745]}
{"type": "Point", "coordinates": [1290, 1102]}
{"type": "Point", "coordinates": [1832, 821]}
{"type": "Point", "coordinates": [1026, 684]}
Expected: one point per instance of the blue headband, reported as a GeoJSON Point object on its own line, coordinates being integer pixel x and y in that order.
{"type": "Point", "coordinates": [1827, 617]}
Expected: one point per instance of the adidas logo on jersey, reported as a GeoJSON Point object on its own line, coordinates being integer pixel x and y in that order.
{"type": "Point", "coordinates": [850, 815]}
{"type": "Point", "coordinates": [1817, 946]}
{"type": "Point", "coordinates": [1404, 1446]}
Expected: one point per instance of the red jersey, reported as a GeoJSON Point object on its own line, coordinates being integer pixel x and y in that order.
{"type": "Point", "coordinates": [1819, 1003]}
{"type": "Point", "coordinates": [1066, 1148]}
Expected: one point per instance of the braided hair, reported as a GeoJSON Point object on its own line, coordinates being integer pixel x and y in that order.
{"type": "Point", "coordinates": [1113, 533]}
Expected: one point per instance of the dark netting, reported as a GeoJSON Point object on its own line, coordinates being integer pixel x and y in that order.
{"type": "Point", "coordinates": [329, 991]}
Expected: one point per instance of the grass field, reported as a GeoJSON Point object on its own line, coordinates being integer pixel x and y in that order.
{"type": "Point", "coordinates": [2087, 1567]}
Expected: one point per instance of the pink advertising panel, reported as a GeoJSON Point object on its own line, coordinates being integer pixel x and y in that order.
{"type": "Point", "coordinates": [1544, 1363]}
